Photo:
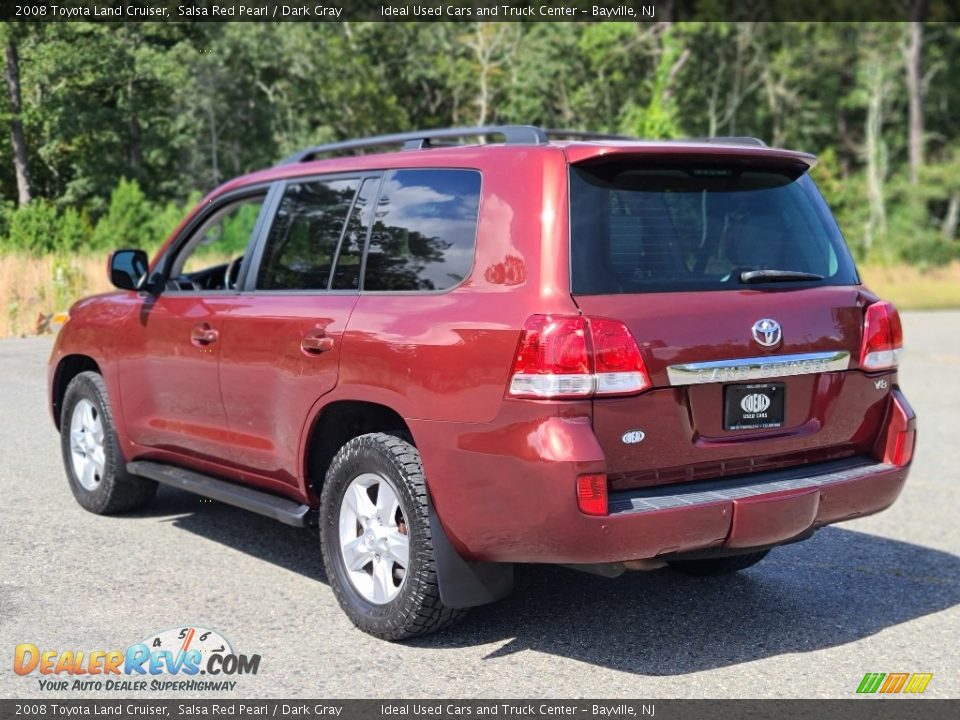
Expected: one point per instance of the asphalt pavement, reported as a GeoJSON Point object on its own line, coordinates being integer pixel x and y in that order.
{"type": "Point", "coordinates": [878, 594]}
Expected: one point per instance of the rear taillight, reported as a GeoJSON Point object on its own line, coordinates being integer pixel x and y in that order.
{"type": "Point", "coordinates": [552, 359]}
{"type": "Point", "coordinates": [592, 494]}
{"type": "Point", "coordinates": [882, 337]}
{"type": "Point", "coordinates": [617, 364]}
{"type": "Point", "coordinates": [570, 356]}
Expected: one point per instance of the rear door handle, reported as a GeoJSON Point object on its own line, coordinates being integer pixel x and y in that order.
{"type": "Point", "coordinates": [203, 335]}
{"type": "Point", "coordinates": [316, 344]}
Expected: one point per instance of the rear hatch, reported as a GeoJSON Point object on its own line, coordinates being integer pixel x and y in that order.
{"type": "Point", "coordinates": [732, 276]}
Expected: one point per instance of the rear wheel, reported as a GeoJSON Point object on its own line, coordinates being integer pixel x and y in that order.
{"type": "Point", "coordinates": [91, 453]}
{"type": "Point", "coordinates": [376, 540]}
{"type": "Point", "coordinates": [719, 565]}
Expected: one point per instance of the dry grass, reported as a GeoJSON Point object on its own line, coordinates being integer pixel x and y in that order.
{"type": "Point", "coordinates": [33, 289]}
{"type": "Point", "coordinates": [911, 288]}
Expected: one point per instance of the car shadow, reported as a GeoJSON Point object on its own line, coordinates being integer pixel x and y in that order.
{"type": "Point", "coordinates": [835, 588]}
{"type": "Point", "coordinates": [291, 548]}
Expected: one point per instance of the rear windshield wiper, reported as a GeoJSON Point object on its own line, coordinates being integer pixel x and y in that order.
{"type": "Point", "coordinates": [762, 276]}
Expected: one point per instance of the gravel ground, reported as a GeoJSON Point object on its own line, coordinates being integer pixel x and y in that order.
{"type": "Point", "coordinates": [873, 595]}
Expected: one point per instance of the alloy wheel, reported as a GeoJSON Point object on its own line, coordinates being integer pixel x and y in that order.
{"type": "Point", "coordinates": [374, 543]}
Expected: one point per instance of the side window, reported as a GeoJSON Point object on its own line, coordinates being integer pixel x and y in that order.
{"type": "Point", "coordinates": [346, 273]}
{"type": "Point", "coordinates": [210, 259]}
{"type": "Point", "coordinates": [304, 236]}
{"type": "Point", "coordinates": [425, 230]}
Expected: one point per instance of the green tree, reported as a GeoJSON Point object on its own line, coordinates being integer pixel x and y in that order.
{"type": "Point", "coordinates": [126, 220]}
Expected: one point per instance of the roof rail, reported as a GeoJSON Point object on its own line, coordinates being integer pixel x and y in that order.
{"type": "Point", "coordinates": [512, 135]}
{"type": "Point", "coordinates": [729, 140]}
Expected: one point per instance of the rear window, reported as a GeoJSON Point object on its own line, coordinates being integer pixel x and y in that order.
{"type": "Point", "coordinates": [679, 228]}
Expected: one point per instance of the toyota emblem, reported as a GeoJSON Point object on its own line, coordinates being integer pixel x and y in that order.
{"type": "Point", "coordinates": [767, 332]}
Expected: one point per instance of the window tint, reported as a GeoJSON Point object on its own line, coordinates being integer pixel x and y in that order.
{"type": "Point", "coordinates": [304, 235]}
{"type": "Point", "coordinates": [425, 230]}
{"type": "Point", "coordinates": [222, 239]}
{"type": "Point", "coordinates": [346, 274]}
{"type": "Point", "coordinates": [697, 228]}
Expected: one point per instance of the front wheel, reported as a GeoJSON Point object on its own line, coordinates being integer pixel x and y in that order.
{"type": "Point", "coordinates": [718, 565]}
{"type": "Point", "coordinates": [376, 540]}
{"type": "Point", "coordinates": [91, 452]}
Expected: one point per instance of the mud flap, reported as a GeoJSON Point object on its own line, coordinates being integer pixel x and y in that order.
{"type": "Point", "coordinates": [464, 583]}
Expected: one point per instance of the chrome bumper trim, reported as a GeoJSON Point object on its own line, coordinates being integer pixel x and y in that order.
{"type": "Point", "coordinates": [758, 368]}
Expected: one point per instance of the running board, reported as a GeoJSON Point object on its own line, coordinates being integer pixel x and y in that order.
{"type": "Point", "coordinates": [274, 506]}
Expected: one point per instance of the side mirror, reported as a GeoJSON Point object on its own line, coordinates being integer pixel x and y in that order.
{"type": "Point", "coordinates": [128, 268]}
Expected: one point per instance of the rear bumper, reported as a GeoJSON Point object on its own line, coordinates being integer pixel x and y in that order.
{"type": "Point", "coordinates": [767, 508]}
{"type": "Point", "coordinates": [506, 493]}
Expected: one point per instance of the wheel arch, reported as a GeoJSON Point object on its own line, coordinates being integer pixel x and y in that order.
{"type": "Point", "coordinates": [339, 422]}
{"type": "Point", "coordinates": [462, 583]}
{"type": "Point", "coordinates": [68, 368]}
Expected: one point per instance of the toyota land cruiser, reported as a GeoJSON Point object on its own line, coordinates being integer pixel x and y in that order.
{"type": "Point", "coordinates": [457, 356]}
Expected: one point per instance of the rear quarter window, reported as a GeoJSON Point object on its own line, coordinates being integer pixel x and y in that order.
{"type": "Point", "coordinates": [425, 230]}
{"type": "Point", "coordinates": [681, 228]}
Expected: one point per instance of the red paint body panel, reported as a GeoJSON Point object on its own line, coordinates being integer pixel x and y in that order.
{"type": "Point", "coordinates": [263, 365]}
{"type": "Point", "coordinates": [505, 491]}
{"type": "Point", "coordinates": [828, 416]}
{"type": "Point", "coordinates": [169, 382]}
{"type": "Point", "coordinates": [773, 518]}
{"type": "Point", "coordinates": [583, 152]}
{"type": "Point", "coordinates": [501, 471]}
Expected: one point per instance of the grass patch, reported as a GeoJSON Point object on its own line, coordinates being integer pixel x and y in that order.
{"type": "Point", "coordinates": [33, 288]}
{"type": "Point", "coordinates": [911, 288]}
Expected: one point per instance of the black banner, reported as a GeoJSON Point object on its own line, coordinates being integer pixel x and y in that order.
{"type": "Point", "coordinates": [477, 10]}
{"type": "Point", "coordinates": [854, 709]}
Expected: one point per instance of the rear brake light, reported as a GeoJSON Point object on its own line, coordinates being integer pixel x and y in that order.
{"type": "Point", "coordinates": [616, 357]}
{"type": "Point", "coordinates": [882, 337]}
{"type": "Point", "coordinates": [569, 356]}
{"type": "Point", "coordinates": [552, 360]}
{"type": "Point", "coordinates": [592, 494]}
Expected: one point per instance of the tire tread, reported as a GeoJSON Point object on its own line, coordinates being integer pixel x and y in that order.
{"type": "Point", "coordinates": [426, 613]}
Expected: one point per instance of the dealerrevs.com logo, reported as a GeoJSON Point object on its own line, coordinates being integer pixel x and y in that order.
{"type": "Point", "coordinates": [190, 659]}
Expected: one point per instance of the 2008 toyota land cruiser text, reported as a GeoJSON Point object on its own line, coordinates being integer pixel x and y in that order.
{"type": "Point", "coordinates": [596, 351]}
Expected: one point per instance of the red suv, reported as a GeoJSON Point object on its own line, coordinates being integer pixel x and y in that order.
{"type": "Point", "coordinates": [600, 352]}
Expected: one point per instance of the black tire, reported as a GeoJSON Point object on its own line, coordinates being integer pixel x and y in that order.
{"type": "Point", "coordinates": [116, 490]}
{"type": "Point", "coordinates": [719, 565]}
{"type": "Point", "coordinates": [417, 609]}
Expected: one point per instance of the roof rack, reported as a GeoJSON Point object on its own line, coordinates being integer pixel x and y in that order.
{"type": "Point", "coordinates": [512, 135]}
